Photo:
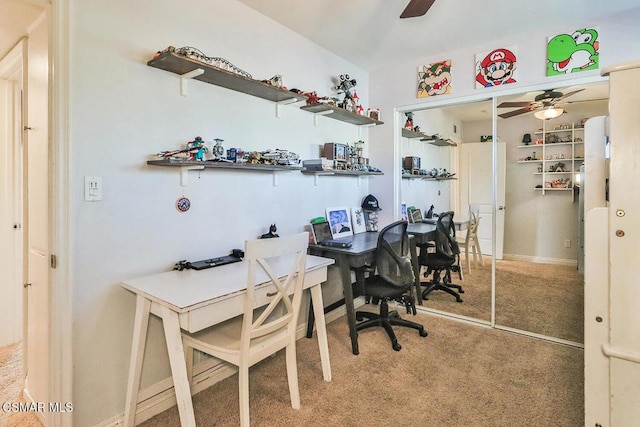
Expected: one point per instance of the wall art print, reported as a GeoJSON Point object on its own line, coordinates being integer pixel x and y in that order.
{"type": "Point", "coordinates": [573, 52]}
{"type": "Point", "coordinates": [497, 67]}
{"type": "Point", "coordinates": [434, 79]}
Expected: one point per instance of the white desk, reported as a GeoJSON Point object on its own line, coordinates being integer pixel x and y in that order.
{"type": "Point", "coordinates": [194, 300]}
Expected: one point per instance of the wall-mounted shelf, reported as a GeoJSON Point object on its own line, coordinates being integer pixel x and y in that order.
{"type": "Point", "coordinates": [428, 178]}
{"type": "Point", "coordinates": [187, 165]}
{"type": "Point", "coordinates": [340, 114]}
{"type": "Point", "coordinates": [406, 133]}
{"type": "Point", "coordinates": [551, 146]}
{"type": "Point", "coordinates": [183, 66]}
{"type": "Point", "coordinates": [334, 172]}
{"type": "Point", "coordinates": [439, 142]}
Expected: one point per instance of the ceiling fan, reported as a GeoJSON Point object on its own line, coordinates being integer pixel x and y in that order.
{"type": "Point", "coordinates": [543, 104]}
{"type": "Point", "coordinates": [416, 8]}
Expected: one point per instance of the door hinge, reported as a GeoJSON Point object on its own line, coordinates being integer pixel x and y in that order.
{"type": "Point", "coordinates": [54, 261]}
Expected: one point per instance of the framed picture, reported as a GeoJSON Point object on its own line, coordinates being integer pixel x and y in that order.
{"type": "Point", "coordinates": [357, 221]}
{"type": "Point", "coordinates": [321, 232]}
{"type": "Point", "coordinates": [403, 212]}
{"type": "Point", "coordinates": [339, 222]}
{"type": "Point", "coordinates": [416, 215]}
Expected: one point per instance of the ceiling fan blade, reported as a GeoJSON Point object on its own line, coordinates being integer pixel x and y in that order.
{"type": "Point", "coordinates": [567, 95]}
{"type": "Point", "coordinates": [518, 112]}
{"type": "Point", "coordinates": [416, 8]}
{"type": "Point", "coordinates": [514, 104]}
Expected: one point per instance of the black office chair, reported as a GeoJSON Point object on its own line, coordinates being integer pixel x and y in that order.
{"type": "Point", "coordinates": [442, 258]}
{"type": "Point", "coordinates": [391, 278]}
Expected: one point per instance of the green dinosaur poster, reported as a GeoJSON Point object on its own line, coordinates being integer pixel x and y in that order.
{"type": "Point", "coordinates": [573, 52]}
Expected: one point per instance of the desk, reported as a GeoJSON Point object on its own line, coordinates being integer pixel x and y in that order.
{"type": "Point", "coordinates": [194, 300]}
{"type": "Point", "coordinates": [459, 225]}
{"type": "Point", "coordinates": [361, 253]}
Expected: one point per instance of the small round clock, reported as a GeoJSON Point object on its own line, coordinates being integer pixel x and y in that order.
{"type": "Point", "coordinates": [183, 204]}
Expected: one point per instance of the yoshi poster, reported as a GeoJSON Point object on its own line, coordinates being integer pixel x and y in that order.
{"type": "Point", "coordinates": [573, 52]}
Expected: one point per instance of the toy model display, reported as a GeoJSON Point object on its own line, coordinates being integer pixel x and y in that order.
{"type": "Point", "coordinates": [272, 232]}
{"type": "Point", "coordinates": [195, 150]}
{"type": "Point", "coordinates": [197, 55]}
{"type": "Point", "coordinates": [344, 85]}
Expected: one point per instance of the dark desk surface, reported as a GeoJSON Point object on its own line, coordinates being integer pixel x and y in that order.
{"type": "Point", "coordinates": [422, 232]}
{"type": "Point", "coordinates": [361, 243]}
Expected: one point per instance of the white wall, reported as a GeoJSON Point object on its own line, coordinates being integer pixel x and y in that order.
{"type": "Point", "coordinates": [123, 111]}
{"type": "Point", "coordinates": [619, 42]}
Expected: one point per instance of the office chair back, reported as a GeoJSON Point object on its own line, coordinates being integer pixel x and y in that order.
{"type": "Point", "coordinates": [393, 259]}
{"type": "Point", "coordinates": [446, 246]}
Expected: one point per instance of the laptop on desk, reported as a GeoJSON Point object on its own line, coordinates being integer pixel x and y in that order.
{"type": "Point", "coordinates": [322, 236]}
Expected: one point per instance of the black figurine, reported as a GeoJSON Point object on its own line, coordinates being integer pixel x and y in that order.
{"type": "Point", "coordinates": [272, 233]}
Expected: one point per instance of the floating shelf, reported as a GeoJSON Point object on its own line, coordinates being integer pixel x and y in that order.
{"type": "Point", "coordinates": [439, 142]}
{"type": "Point", "coordinates": [223, 165]}
{"type": "Point", "coordinates": [411, 134]}
{"type": "Point", "coordinates": [339, 172]}
{"type": "Point", "coordinates": [178, 64]}
{"type": "Point", "coordinates": [340, 114]}
{"type": "Point", "coordinates": [428, 178]}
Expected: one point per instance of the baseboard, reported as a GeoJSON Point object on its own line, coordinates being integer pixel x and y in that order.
{"type": "Point", "coordinates": [160, 396]}
{"type": "Point", "coordinates": [540, 260]}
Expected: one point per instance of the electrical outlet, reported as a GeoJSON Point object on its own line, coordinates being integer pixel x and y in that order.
{"type": "Point", "coordinates": [567, 243]}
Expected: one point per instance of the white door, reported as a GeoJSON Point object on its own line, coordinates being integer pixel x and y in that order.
{"type": "Point", "coordinates": [37, 219]}
{"type": "Point", "coordinates": [476, 187]}
{"type": "Point", "coordinates": [11, 288]}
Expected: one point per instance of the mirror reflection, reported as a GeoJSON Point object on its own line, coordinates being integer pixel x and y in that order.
{"type": "Point", "coordinates": [539, 283]}
{"type": "Point", "coordinates": [448, 168]}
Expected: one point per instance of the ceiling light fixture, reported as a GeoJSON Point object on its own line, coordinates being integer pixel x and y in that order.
{"type": "Point", "coordinates": [548, 113]}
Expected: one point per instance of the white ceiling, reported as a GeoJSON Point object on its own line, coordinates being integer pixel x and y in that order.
{"type": "Point", "coordinates": [15, 17]}
{"type": "Point", "coordinates": [370, 34]}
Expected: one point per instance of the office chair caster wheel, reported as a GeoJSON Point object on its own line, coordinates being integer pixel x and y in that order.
{"type": "Point", "coordinates": [359, 317]}
{"type": "Point", "coordinates": [423, 333]}
{"type": "Point", "coordinates": [396, 346]}
{"type": "Point", "coordinates": [458, 299]}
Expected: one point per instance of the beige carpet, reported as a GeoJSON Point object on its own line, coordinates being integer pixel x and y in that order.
{"type": "Point", "coordinates": [11, 388]}
{"type": "Point", "coordinates": [546, 299]}
{"type": "Point", "coordinates": [460, 375]}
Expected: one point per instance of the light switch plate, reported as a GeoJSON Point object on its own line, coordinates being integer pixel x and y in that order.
{"type": "Point", "coordinates": [92, 188]}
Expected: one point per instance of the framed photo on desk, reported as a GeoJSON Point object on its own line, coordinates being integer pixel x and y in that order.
{"type": "Point", "coordinates": [340, 222]}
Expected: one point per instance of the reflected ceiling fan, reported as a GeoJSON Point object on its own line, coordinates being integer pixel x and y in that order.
{"type": "Point", "coordinates": [416, 8]}
{"type": "Point", "coordinates": [543, 104]}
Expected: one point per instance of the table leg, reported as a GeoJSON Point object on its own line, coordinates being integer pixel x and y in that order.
{"type": "Point", "coordinates": [140, 326]}
{"type": "Point", "coordinates": [345, 275]}
{"type": "Point", "coordinates": [321, 330]}
{"type": "Point", "coordinates": [178, 366]}
{"type": "Point", "coordinates": [416, 270]}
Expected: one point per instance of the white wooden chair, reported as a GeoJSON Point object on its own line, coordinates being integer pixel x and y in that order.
{"type": "Point", "coordinates": [470, 241]}
{"type": "Point", "coordinates": [260, 332]}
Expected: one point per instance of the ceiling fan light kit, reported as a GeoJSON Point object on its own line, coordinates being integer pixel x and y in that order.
{"type": "Point", "coordinates": [548, 113]}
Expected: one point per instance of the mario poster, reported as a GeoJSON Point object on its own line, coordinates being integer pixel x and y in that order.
{"type": "Point", "coordinates": [497, 67]}
{"type": "Point", "coordinates": [573, 52]}
{"type": "Point", "coordinates": [434, 79]}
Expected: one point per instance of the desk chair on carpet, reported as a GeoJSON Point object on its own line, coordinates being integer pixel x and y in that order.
{"type": "Point", "coordinates": [245, 340]}
{"type": "Point", "coordinates": [391, 278]}
{"type": "Point", "coordinates": [442, 258]}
